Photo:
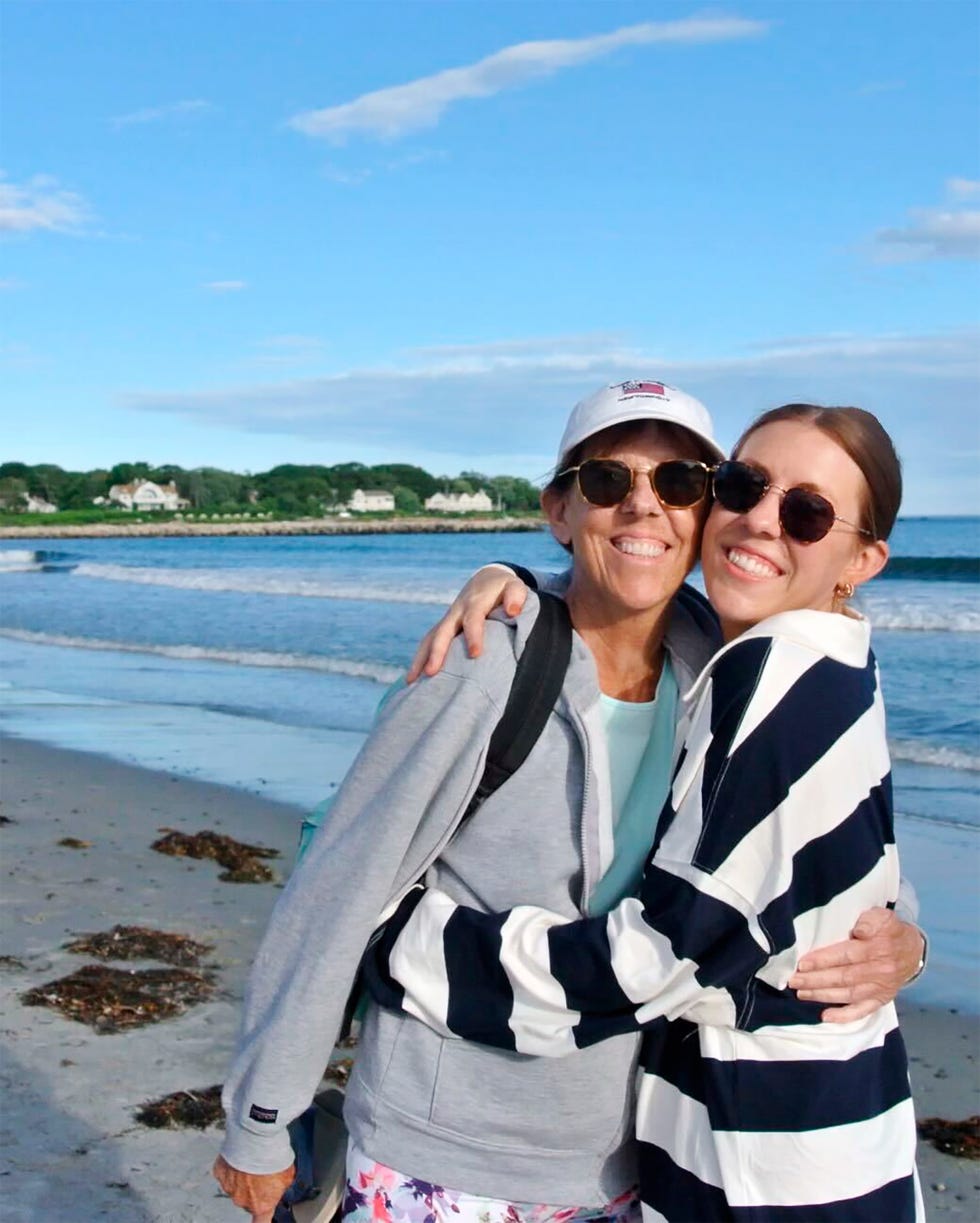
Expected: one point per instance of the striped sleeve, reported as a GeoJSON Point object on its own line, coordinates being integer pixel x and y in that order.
{"type": "Point", "coordinates": [777, 832]}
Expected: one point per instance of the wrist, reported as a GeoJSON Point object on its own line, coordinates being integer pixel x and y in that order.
{"type": "Point", "coordinates": [923, 956]}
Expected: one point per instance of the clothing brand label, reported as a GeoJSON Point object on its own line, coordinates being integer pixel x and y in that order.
{"type": "Point", "coordinates": [265, 1115]}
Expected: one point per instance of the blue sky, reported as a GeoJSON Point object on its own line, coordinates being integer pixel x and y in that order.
{"type": "Point", "coordinates": [242, 234]}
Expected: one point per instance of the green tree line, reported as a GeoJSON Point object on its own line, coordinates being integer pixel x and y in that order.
{"type": "Point", "coordinates": [287, 489]}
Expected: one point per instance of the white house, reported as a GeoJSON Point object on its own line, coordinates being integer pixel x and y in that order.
{"type": "Point", "coordinates": [460, 503]}
{"type": "Point", "coordinates": [145, 495]}
{"type": "Point", "coordinates": [371, 500]}
{"type": "Point", "coordinates": [37, 505]}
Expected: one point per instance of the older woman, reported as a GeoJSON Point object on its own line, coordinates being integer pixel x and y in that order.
{"type": "Point", "coordinates": [489, 1134]}
{"type": "Point", "coordinates": [777, 831]}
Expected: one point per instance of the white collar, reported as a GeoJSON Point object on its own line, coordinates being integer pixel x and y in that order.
{"type": "Point", "coordinates": [845, 638]}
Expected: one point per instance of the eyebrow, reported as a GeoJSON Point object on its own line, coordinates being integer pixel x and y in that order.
{"type": "Point", "coordinates": [808, 485]}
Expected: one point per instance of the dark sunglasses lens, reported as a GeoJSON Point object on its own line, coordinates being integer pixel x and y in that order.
{"type": "Point", "coordinates": [738, 487]}
{"type": "Point", "coordinates": [680, 482]}
{"type": "Point", "coordinates": [805, 517]}
{"type": "Point", "coordinates": [604, 482]}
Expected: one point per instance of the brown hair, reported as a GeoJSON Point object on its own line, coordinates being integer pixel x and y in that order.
{"type": "Point", "coordinates": [860, 435]}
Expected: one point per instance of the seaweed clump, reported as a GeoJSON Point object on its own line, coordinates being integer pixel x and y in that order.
{"type": "Point", "coordinates": [960, 1138]}
{"type": "Point", "coordinates": [184, 1110]}
{"type": "Point", "coordinates": [241, 861]}
{"type": "Point", "coordinates": [115, 999]}
{"type": "Point", "coordinates": [140, 943]}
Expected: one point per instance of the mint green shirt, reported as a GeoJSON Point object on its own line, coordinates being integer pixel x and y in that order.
{"type": "Point", "coordinates": [640, 741]}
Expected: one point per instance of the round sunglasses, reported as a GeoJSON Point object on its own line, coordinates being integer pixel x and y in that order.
{"type": "Point", "coordinates": [678, 483]}
{"type": "Point", "coordinates": [804, 515]}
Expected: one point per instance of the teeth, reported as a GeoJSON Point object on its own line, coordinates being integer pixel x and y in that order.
{"type": "Point", "coordinates": [641, 547]}
{"type": "Point", "coordinates": [751, 564]}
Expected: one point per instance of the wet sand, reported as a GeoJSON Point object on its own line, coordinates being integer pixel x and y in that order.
{"type": "Point", "coordinates": [72, 1148]}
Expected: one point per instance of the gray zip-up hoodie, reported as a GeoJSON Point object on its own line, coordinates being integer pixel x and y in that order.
{"type": "Point", "coordinates": [476, 1119]}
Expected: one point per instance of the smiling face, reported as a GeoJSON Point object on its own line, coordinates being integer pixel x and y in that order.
{"type": "Point", "coordinates": [629, 559]}
{"type": "Point", "coordinates": [752, 569]}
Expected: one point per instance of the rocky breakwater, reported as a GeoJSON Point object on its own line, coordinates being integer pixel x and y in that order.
{"type": "Point", "coordinates": [300, 526]}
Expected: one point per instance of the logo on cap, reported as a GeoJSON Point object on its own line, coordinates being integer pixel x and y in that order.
{"type": "Point", "coordinates": [643, 388]}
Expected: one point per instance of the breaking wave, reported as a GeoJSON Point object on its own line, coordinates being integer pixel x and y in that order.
{"type": "Point", "coordinates": [942, 757]}
{"type": "Point", "coordinates": [261, 583]}
{"type": "Point", "coordinates": [379, 672]}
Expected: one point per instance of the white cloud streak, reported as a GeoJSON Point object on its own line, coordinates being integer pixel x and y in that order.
{"type": "Point", "coordinates": [226, 286]}
{"type": "Point", "coordinates": [931, 233]}
{"type": "Point", "coordinates": [389, 113]}
{"type": "Point", "coordinates": [963, 188]}
{"type": "Point", "coordinates": [465, 403]}
{"type": "Point", "coordinates": [40, 204]}
{"type": "Point", "coordinates": [157, 114]}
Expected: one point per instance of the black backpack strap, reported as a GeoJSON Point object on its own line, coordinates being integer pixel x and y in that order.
{"type": "Point", "coordinates": [537, 684]}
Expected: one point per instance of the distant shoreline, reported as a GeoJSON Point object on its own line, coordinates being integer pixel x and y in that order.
{"type": "Point", "coordinates": [301, 526]}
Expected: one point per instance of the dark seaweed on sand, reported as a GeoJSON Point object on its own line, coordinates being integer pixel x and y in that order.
{"type": "Point", "coordinates": [241, 861]}
{"type": "Point", "coordinates": [115, 999]}
{"type": "Point", "coordinates": [184, 1110]}
{"type": "Point", "coordinates": [140, 943]}
{"type": "Point", "coordinates": [75, 843]}
{"type": "Point", "coordinates": [960, 1138]}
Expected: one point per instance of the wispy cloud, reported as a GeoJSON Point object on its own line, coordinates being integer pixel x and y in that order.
{"type": "Point", "coordinates": [9, 285]}
{"type": "Point", "coordinates": [456, 403]}
{"type": "Point", "coordinates": [963, 188]}
{"type": "Point", "coordinates": [931, 233]}
{"type": "Point", "coordinates": [389, 113]}
{"type": "Point", "coordinates": [156, 114]}
{"type": "Point", "coordinates": [946, 231]}
{"type": "Point", "coordinates": [288, 350]}
{"type": "Point", "coordinates": [226, 286]}
{"type": "Point", "coordinates": [355, 176]}
{"type": "Point", "coordinates": [41, 204]}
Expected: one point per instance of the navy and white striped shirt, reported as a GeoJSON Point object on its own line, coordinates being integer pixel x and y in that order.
{"type": "Point", "coordinates": [776, 835]}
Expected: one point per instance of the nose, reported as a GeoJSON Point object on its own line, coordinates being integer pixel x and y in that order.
{"type": "Point", "coordinates": [642, 500]}
{"type": "Point", "coordinates": [763, 517]}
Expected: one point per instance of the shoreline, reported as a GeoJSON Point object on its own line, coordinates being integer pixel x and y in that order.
{"type": "Point", "coordinates": [299, 526]}
{"type": "Point", "coordinates": [71, 1094]}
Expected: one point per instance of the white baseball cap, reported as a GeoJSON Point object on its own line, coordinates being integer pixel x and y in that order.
{"type": "Point", "coordinates": [638, 399]}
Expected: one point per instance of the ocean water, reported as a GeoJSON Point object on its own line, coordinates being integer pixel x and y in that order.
{"type": "Point", "coordinates": [258, 662]}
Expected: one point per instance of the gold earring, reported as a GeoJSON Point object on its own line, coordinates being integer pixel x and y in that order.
{"type": "Point", "coordinates": [842, 592]}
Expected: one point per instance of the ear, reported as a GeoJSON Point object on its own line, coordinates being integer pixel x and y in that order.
{"type": "Point", "coordinates": [867, 562]}
{"type": "Point", "coordinates": [555, 508]}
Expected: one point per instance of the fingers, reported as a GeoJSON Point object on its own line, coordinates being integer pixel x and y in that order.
{"type": "Point", "coordinates": [420, 658]}
{"type": "Point", "coordinates": [846, 994]}
{"type": "Point", "coordinates": [514, 597]}
{"type": "Point", "coordinates": [488, 588]}
{"type": "Point", "coordinates": [837, 955]}
{"type": "Point", "coordinates": [848, 1014]}
{"type": "Point", "coordinates": [257, 1193]}
{"type": "Point", "coordinates": [875, 922]}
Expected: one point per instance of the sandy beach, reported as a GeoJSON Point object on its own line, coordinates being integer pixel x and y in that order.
{"type": "Point", "coordinates": [72, 1147]}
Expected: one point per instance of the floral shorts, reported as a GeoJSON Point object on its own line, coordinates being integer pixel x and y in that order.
{"type": "Point", "coordinates": [378, 1194]}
